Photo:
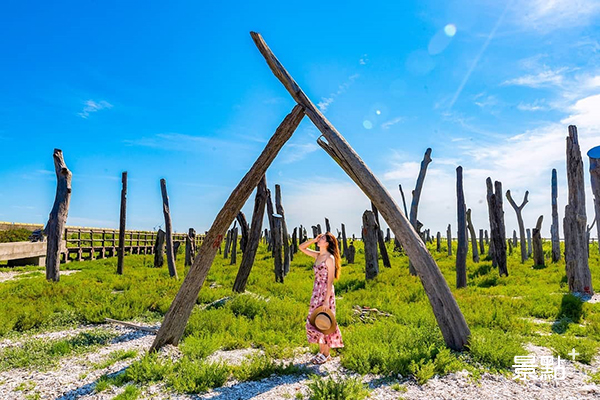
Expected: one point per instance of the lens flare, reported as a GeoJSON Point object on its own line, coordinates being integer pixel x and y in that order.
{"type": "Point", "coordinates": [450, 30]}
{"type": "Point", "coordinates": [367, 124]}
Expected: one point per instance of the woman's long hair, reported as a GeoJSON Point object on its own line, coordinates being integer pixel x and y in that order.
{"type": "Point", "coordinates": [334, 249]}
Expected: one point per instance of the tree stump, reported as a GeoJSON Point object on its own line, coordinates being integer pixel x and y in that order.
{"type": "Point", "coordinates": [57, 219]}
{"type": "Point", "coordinates": [370, 229]}
{"type": "Point", "coordinates": [159, 249]}
{"type": "Point", "coordinates": [576, 245]}
{"type": "Point", "coordinates": [461, 250]}
{"type": "Point", "coordinates": [554, 227]}
{"type": "Point", "coordinates": [473, 237]}
{"type": "Point", "coordinates": [122, 217]}
{"type": "Point", "coordinates": [254, 236]}
{"type": "Point", "coordinates": [538, 252]}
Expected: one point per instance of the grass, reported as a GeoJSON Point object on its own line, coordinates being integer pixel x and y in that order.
{"type": "Point", "coordinates": [500, 312]}
{"type": "Point", "coordinates": [115, 356]}
{"type": "Point", "coordinates": [336, 389]}
{"type": "Point", "coordinates": [40, 353]}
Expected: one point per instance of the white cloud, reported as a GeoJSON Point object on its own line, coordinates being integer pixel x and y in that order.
{"type": "Point", "coordinates": [92, 106]}
{"type": "Point", "coordinates": [394, 121]}
{"type": "Point", "coordinates": [547, 77]}
{"type": "Point", "coordinates": [326, 101]}
{"type": "Point", "coordinates": [297, 151]}
{"type": "Point", "coordinates": [535, 106]}
{"type": "Point", "coordinates": [546, 15]}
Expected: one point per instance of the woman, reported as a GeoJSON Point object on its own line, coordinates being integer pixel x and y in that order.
{"type": "Point", "coordinates": [327, 266]}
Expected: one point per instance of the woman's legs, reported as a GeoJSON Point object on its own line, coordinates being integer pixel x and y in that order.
{"type": "Point", "coordinates": [324, 348]}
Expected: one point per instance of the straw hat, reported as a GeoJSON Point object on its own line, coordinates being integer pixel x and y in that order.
{"type": "Point", "coordinates": [323, 319]}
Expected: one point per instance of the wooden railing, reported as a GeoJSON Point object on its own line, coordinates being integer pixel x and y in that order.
{"type": "Point", "coordinates": [93, 243]}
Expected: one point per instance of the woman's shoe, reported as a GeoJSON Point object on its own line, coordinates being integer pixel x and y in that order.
{"type": "Point", "coordinates": [318, 359]}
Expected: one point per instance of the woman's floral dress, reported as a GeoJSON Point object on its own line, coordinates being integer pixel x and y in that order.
{"type": "Point", "coordinates": [334, 339]}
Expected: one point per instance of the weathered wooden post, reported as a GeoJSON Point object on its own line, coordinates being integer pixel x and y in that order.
{"type": "Point", "coordinates": [438, 238]}
{"type": "Point", "coordinates": [315, 233]}
{"type": "Point", "coordinates": [518, 211]}
{"type": "Point", "coordinates": [576, 260]}
{"type": "Point", "coordinates": [285, 237]}
{"type": "Point", "coordinates": [497, 228]}
{"type": "Point", "coordinates": [487, 239]}
{"type": "Point", "coordinates": [158, 249]}
{"type": "Point", "coordinates": [176, 248]}
{"type": "Point", "coordinates": [168, 229]}
{"type": "Point", "coordinates": [190, 247]}
{"type": "Point", "coordinates": [473, 237]}
{"type": "Point", "coordinates": [327, 226]}
{"type": "Point", "coordinates": [461, 251]}
{"type": "Point", "coordinates": [319, 228]}
{"type": "Point", "coordinates": [554, 227]}
{"type": "Point", "coordinates": [344, 242]}
{"type": "Point", "coordinates": [538, 252]}
{"type": "Point", "coordinates": [387, 235]}
{"type": "Point", "coordinates": [55, 227]}
{"type": "Point", "coordinates": [594, 156]}
{"type": "Point", "coordinates": [481, 245]}
{"type": "Point", "coordinates": [122, 217]}
{"type": "Point", "coordinates": [449, 239]}
{"type": "Point", "coordinates": [529, 250]}
{"type": "Point", "coordinates": [351, 253]}
{"type": "Point", "coordinates": [241, 219]}
{"type": "Point", "coordinates": [510, 246]}
{"type": "Point", "coordinates": [254, 236]}
{"type": "Point", "coordinates": [227, 244]}
{"type": "Point", "coordinates": [515, 240]}
{"type": "Point", "coordinates": [234, 240]}
{"type": "Point", "coordinates": [176, 318]}
{"type": "Point", "coordinates": [370, 242]}
{"type": "Point", "coordinates": [445, 308]}
{"type": "Point", "coordinates": [294, 245]}
{"type": "Point", "coordinates": [384, 254]}
{"type": "Point", "coordinates": [416, 196]}
{"type": "Point", "coordinates": [279, 273]}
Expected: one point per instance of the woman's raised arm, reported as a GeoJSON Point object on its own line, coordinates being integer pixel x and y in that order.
{"type": "Point", "coordinates": [304, 246]}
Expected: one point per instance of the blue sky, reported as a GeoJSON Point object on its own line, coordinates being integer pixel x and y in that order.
{"type": "Point", "coordinates": [178, 91]}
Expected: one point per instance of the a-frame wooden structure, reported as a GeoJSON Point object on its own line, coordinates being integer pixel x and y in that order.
{"type": "Point", "coordinates": [449, 317]}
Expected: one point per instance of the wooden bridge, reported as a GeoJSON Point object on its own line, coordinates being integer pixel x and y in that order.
{"type": "Point", "coordinates": [83, 243]}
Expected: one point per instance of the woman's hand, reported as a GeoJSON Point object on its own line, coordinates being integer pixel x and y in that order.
{"type": "Point", "coordinates": [317, 238]}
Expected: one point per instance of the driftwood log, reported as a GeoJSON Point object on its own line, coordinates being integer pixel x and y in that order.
{"type": "Point", "coordinates": [254, 236]}
{"type": "Point", "coordinates": [461, 250]}
{"type": "Point", "coordinates": [58, 216]}
{"type": "Point", "coordinates": [518, 211]}
{"type": "Point", "coordinates": [574, 222]}
{"type": "Point", "coordinates": [554, 227]}
{"type": "Point", "coordinates": [370, 229]}
{"type": "Point", "coordinates": [168, 230]}
{"type": "Point", "coordinates": [179, 312]}
{"type": "Point", "coordinates": [538, 251]}
{"type": "Point", "coordinates": [122, 218]}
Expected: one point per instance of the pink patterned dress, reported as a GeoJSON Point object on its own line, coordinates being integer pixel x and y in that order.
{"type": "Point", "coordinates": [334, 339]}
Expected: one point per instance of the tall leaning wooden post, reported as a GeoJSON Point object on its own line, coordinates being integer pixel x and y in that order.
{"type": "Point", "coordinates": [576, 245]}
{"type": "Point", "coordinates": [445, 308]}
{"type": "Point", "coordinates": [179, 312]}
{"type": "Point", "coordinates": [168, 229]}
{"type": "Point", "coordinates": [461, 251]}
{"type": "Point", "coordinates": [122, 217]}
{"type": "Point", "coordinates": [554, 225]}
{"type": "Point", "coordinates": [414, 205]}
{"type": "Point", "coordinates": [58, 216]}
{"type": "Point", "coordinates": [594, 156]}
